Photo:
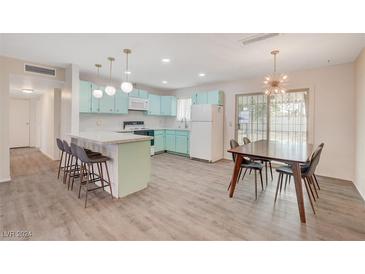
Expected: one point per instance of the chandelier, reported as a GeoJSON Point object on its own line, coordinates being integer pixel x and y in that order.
{"type": "Point", "coordinates": [275, 83]}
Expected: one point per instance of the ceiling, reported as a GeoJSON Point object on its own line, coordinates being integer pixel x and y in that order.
{"type": "Point", "coordinates": [221, 56]}
{"type": "Point", "coordinates": [39, 85]}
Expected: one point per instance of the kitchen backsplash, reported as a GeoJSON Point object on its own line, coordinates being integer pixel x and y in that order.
{"type": "Point", "coordinates": [92, 122]}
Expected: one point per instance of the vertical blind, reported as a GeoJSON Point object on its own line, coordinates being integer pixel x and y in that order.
{"type": "Point", "coordinates": [282, 117]}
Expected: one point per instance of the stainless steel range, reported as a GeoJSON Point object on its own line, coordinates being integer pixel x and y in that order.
{"type": "Point", "coordinates": [138, 127]}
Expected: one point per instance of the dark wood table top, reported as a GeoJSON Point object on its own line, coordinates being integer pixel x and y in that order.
{"type": "Point", "coordinates": [277, 151]}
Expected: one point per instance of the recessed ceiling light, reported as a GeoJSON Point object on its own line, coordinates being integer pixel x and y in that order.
{"type": "Point", "coordinates": [164, 82]}
{"type": "Point", "coordinates": [201, 74]}
{"type": "Point", "coordinates": [128, 72]}
{"type": "Point", "coordinates": [166, 60]}
{"type": "Point", "coordinates": [27, 90]}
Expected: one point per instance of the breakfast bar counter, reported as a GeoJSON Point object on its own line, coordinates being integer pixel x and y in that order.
{"type": "Point", "coordinates": [130, 164]}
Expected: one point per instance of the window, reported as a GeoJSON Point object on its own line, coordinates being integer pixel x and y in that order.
{"type": "Point", "coordinates": [183, 109]}
{"type": "Point", "coordinates": [282, 117]}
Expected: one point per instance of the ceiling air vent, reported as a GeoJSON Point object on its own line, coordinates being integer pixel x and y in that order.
{"type": "Point", "coordinates": [40, 70]}
{"type": "Point", "coordinates": [256, 38]}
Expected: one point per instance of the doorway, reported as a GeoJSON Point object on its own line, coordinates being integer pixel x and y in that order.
{"type": "Point", "coordinates": [19, 128]}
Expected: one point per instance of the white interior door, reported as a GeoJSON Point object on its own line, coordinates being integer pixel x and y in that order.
{"type": "Point", "coordinates": [19, 112]}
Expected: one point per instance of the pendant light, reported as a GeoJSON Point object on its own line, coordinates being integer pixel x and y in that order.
{"type": "Point", "coordinates": [110, 89]}
{"type": "Point", "coordinates": [275, 83]}
{"type": "Point", "coordinates": [98, 93]}
{"type": "Point", "coordinates": [126, 86]}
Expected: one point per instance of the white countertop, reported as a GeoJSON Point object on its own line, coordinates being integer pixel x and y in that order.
{"type": "Point", "coordinates": [128, 130]}
{"type": "Point", "coordinates": [106, 137]}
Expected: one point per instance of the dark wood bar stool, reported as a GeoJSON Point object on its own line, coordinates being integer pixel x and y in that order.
{"type": "Point", "coordinates": [60, 147]}
{"type": "Point", "coordinates": [87, 174]}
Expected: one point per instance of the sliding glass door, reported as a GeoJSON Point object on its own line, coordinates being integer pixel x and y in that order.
{"type": "Point", "coordinates": [282, 117]}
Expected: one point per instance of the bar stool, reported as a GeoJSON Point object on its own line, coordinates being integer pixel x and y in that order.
{"type": "Point", "coordinates": [75, 168]}
{"type": "Point", "coordinates": [60, 147]}
{"type": "Point", "coordinates": [88, 176]}
{"type": "Point", "coordinates": [70, 167]}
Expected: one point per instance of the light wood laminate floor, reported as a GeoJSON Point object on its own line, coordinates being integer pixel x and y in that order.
{"type": "Point", "coordinates": [185, 200]}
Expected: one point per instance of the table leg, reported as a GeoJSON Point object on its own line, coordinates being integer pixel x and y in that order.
{"type": "Point", "coordinates": [299, 190]}
{"type": "Point", "coordinates": [236, 171]}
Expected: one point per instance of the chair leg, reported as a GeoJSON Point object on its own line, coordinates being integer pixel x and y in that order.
{"type": "Point", "coordinates": [315, 179]}
{"type": "Point", "coordinates": [239, 175]}
{"type": "Point", "coordinates": [286, 181]}
{"type": "Point", "coordinates": [74, 173]}
{"type": "Point", "coordinates": [281, 182]}
{"type": "Point", "coordinates": [262, 184]}
{"type": "Point", "coordinates": [289, 180]}
{"type": "Point", "coordinates": [81, 177]}
{"type": "Point", "coordinates": [87, 183]}
{"type": "Point", "coordinates": [255, 185]}
{"type": "Point", "coordinates": [272, 178]}
{"type": "Point", "coordinates": [277, 187]}
{"type": "Point", "coordinates": [110, 183]}
{"type": "Point", "coordinates": [70, 171]}
{"type": "Point", "coordinates": [310, 188]}
{"type": "Point", "coordinates": [266, 172]}
{"type": "Point", "coordinates": [102, 176]}
{"type": "Point", "coordinates": [311, 180]}
{"type": "Point", "coordinates": [309, 195]}
{"type": "Point", "coordinates": [60, 165]}
{"type": "Point", "coordinates": [244, 174]}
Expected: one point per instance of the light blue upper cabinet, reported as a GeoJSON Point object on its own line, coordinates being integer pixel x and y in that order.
{"type": "Point", "coordinates": [95, 103]}
{"type": "Point", "coordinates": [107, 104]}
{"type": "Point", "coordinates": [202, 98]}
{"type": "Point", "coordinates": [215, 97]}
{"type": "Point", "coordinates": [121, 102]}
{"type": "Point", "coordinates": [143, 94]}
{"type": "Point", "coordinates": [134, 93]}
{"type": "Point", "coordinates": [154, 104]}
{"type": "Point", "coordinates": [173, 106]}
{"type": "Point", "coordinates": [85, 97]}
{"type": "Point", "coordinates": [212, 97]}
{"type": "Point", "coordinates": [165, 105]}
{"type": "Point", "coordinates": [168, 105]}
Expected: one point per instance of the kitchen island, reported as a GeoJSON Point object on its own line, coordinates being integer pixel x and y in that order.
{"type": "Point", "coordinates": [130, 165]}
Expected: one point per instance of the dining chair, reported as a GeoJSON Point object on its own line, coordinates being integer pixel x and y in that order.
{"type": "Point", "coordinates": [307, 170]}
{"type": "Point", "coordinates": [247, 165]}
{"type": "Point", "coordinates": [246, 141]}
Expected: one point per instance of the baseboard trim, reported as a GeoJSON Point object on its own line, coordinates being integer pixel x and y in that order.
{"type": "Point", "coordinates": [6, 180]}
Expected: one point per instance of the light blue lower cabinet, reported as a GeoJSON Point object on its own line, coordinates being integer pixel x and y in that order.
{"type": "Point", "coordinates": [159, 141]}
{"type": "Point", "coordinates": [175, 141]}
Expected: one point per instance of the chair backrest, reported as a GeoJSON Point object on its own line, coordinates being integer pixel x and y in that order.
{"type": "Point", "coordinates": [66, 147]}
{"type": "Point", "coordinates": [246, 141]}
{"type": "Point", "coordinates": [81, 154]}
{"type": "Point", "coordinates": [314, 160]}
{"type": "Point", "coordinates": [233, 143]}
{"type": "Point", "coordinates": [59, 144]}
{"type": "Point", "coordinates": [74, 149]}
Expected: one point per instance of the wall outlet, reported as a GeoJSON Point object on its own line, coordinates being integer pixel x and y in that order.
{"type": "Point", "coordinates": [99, 123]}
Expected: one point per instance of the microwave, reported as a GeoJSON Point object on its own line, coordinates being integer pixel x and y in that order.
{"type": "Point", "coordinates": [138, 103]}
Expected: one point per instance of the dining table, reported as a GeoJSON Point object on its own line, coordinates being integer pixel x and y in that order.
{"type": "Point", "coordinates": [292, 154]}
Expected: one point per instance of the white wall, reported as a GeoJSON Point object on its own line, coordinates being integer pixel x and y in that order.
{"type": "Point", "coordinates": [4, 121]}
{"type": "Point", "coordinates": [333, 93]}
{"type": "Point", "coordinates": [48, 118]}
{"type": "Point", "coordinates": [360, 123]}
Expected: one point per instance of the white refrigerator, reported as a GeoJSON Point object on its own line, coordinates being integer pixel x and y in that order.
{"type": "Point", "coordinates": [206, 137]}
